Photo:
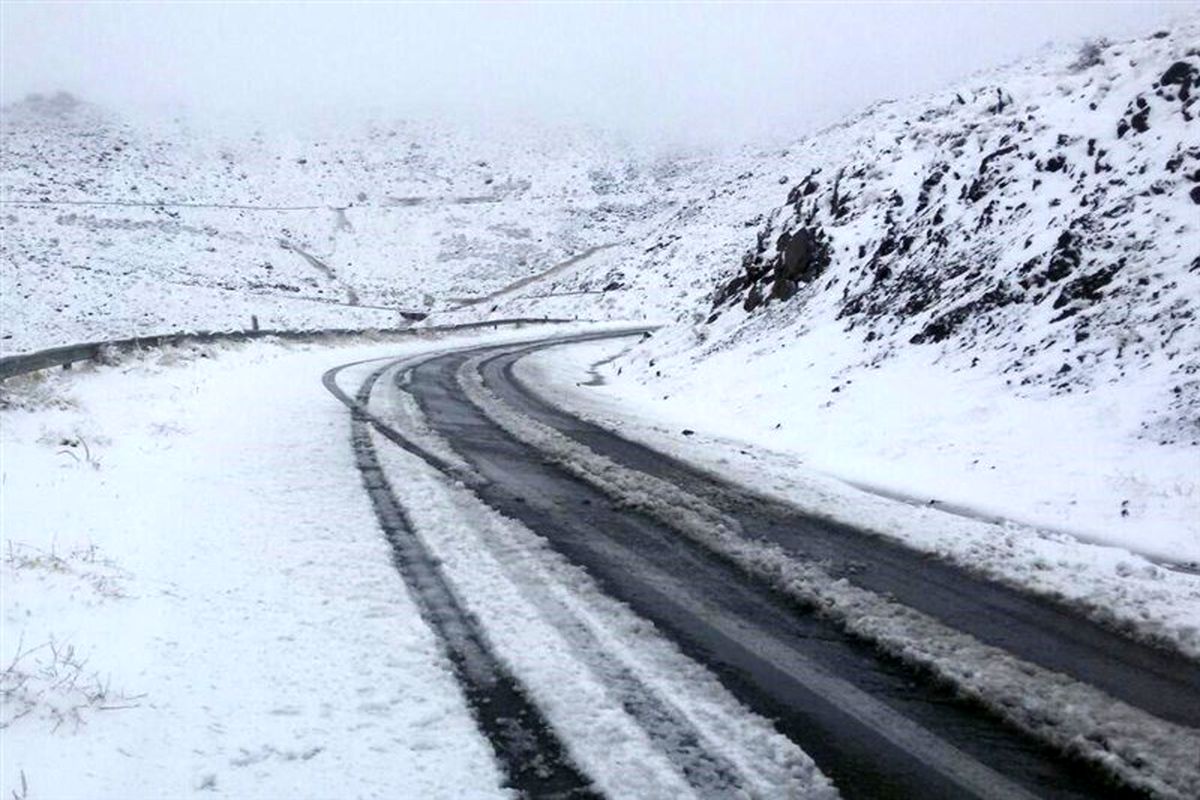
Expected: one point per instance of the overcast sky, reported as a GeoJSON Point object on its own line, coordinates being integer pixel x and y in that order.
{"type": "Point", "coordinates": [725, 72]}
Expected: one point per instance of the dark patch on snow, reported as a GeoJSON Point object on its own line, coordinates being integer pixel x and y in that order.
{"type": "Point", "coordinates": [945, 325]}
{"type": "Point", "coordinates": [1063, 260]}
{"type": "Point", "coordinates": [1085, 290]}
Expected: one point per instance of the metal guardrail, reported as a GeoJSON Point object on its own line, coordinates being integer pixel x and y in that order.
{"type": "Point", "coordinates": [91, 351]}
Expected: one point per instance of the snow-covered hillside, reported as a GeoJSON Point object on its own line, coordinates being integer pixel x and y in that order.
{"type": "Point", "coordinates": [986, 297]}
{"type": "Point", "coordinates": [1045, 221]}
{"type": "Point", "coordinates": [993, 286]}
{"type": "Point", "coordinates": [833, 454]}
{"type": "Point", "coordinates": [115, 228]}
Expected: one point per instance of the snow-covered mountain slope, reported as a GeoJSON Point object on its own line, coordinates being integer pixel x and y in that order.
{"type": "Point", "coordinates": [985, 297]}
{"type": "Point", "coordinates": [1045, 222]}
{"type": "Point", "coordinates": [114, 228]}
{"type": "Point", "coordinates": [993, 286]}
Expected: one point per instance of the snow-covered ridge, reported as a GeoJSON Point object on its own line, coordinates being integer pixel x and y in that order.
{"type": "Point", "coordinates": [1043, 222]}
{"type": "Point", "coordinates": [116, 227]}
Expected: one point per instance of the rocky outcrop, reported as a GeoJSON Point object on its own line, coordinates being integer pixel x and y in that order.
{"type": "Point", "coordinates": [997, 220]}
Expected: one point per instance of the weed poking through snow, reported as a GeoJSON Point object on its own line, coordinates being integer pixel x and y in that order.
{"type": "Point", "coordinates": [51, 683]}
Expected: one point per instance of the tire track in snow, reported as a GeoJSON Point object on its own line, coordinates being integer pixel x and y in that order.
{"type": "Point", "coordinates": [523, 487]}
{"type": "Point", "coordinates": [701, 763]}
{"type": "Point", "coordinates": [698, 760]}
{"type": "Point", "coordinates": [528, 751]}
{"type": "Point", "coordinates": [1086, 639]}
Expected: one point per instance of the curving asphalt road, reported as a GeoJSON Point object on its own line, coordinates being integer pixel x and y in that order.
{"type": "Point", "coordinates": [878, 727]}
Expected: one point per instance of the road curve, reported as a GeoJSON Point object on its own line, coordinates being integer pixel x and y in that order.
{"type": "Point", "coordinates": [1036, 629]}
{"type": "Point", "coordinates": [877, 726]}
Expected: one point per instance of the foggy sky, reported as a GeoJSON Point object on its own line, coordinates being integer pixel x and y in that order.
{"type": "Point", "coordinates": [699, 72]}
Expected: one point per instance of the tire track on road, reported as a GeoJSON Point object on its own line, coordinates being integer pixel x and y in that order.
{"type": "Point", "coordinates": [622, 550]}
{"type": "Point", "coordinates": [1161, 682]}
{"type": "Point", "coordinates": [1136, 748]}
{"type": "Point", "coordinates": [532, 758]}
{"type": "Point", "coordinates": [701, 764]}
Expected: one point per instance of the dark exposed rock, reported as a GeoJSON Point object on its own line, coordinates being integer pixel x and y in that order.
{"type": "Point", "coordinates": [928, 186]}
{"type": "Point", "coordinates": [729, 290]}
{"type": "Point", "coordinates": [803, 189]}
{"type": "Point", "coordinates": [1065, 257]}
{"type": "Point", "coordinates": [1183, 75]}
{"type": "Point", "coordinates": [1003, 101]}
{"type": "Point", "coordinates": [945, 325]}
{"type": "Point", "coordinates": [1055, 163]}
{"type": "Point", "coordinates": [1140, 121]}
{"type": "Point", "coordinates": [839, 203]}
{"type": "Point", "coordinates": [754, 299]}
{"type": "Point", "coordinates": [783, 288]}
{"type": "Point", "coordinates": [802, 256]}
{"type": "Point", "coordinates": [1063, 260]}
{"type": "Point", "coordinates": [983, 183]}
{"type": "Point", "coordinates": [1087, 287]}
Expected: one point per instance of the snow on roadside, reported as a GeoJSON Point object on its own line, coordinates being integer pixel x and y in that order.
{"type": "Point", "coordinates": [196, 596]}
{"type": "Point", "coordinates": [913, 425]}
{"type": "Point", "coordinates": [1109, 582]}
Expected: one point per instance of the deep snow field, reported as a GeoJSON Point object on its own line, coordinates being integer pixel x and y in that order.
{"type": "Point", "coordinates": [147, 530]}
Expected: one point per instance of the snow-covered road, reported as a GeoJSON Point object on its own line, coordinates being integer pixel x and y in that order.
{"type": "Point", "coordinates": [521, 601]}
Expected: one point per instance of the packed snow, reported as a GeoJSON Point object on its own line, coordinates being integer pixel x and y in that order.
{"type": "Point", "coordinates": [589, 661]}
{"type": "Point", "coordinates": [1109, 580]}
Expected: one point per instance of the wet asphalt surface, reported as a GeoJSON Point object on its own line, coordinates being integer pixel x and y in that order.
{"type": "Point", "coordinates": [766, 649]}
{"type": "Point", "coordinates": [1034, 629]}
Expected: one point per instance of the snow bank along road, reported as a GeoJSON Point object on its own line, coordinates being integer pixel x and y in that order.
{"type": "Point", "coordinates": [538, 545]}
